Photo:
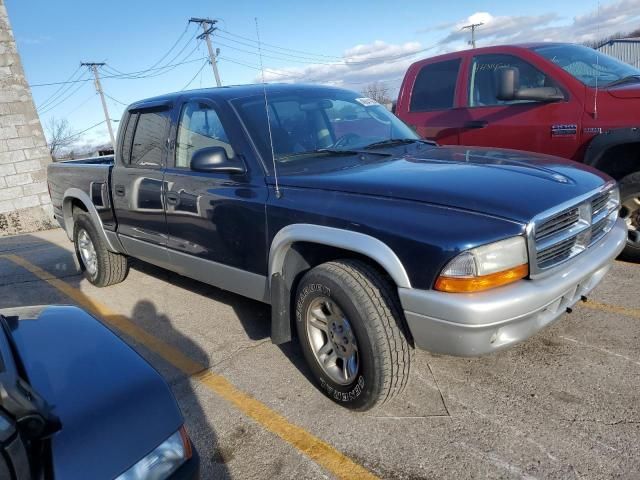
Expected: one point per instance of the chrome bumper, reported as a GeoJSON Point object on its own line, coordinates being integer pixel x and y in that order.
{"type": "Point", "coordinates": [480, 323]}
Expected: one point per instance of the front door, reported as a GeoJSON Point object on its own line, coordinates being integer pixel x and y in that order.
{"type": "Point", "coordinates": [216, 221]}
{"type": "Point", "coordinates": [552, 128]}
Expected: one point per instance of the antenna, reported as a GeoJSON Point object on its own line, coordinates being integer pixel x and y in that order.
{"type": "Point", "coordinates": [595, 98]}
{"type": "Point", "coordinates": [266, 107]}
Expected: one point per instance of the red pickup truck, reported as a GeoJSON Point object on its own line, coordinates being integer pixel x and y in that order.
{"type": "Point", "coordinates": [554, 98]}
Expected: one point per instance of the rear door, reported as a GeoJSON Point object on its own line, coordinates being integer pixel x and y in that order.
{"type": "Point", "coordinates": [429, 104]}
{"type": "Point", "coordinates": [551, 127]}
{"type": "Point", "coordinates": [216, 220]}
{"type": "Point", "coordinates": [137, 179]}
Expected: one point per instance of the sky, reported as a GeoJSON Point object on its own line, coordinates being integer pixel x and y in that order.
{"type": "Point", "coordinates": [344, 43]}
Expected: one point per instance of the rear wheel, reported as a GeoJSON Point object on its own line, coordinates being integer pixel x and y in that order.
{"type": "Point", "coordinates": [352, 333]}
{"type": "Point", "coordinates": [630, 212]}
{"type": "Point", "coordinates": [99, 265]}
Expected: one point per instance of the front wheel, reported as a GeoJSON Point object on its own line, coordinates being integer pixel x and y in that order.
{"type": "Point", "coordinates": [352, 333]}
{"type": "Point", "coordinates": [630, 212]}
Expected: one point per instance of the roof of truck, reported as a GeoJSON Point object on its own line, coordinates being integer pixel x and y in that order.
{"type": "Point", "coordinates": [230, 92]}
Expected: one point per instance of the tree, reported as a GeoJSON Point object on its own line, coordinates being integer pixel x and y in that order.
{"type": "Point", "coordinates": [59, 135]}
{"type": "Point", "coordinates": [377, 91]}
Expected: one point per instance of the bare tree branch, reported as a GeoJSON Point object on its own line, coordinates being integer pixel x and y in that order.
{"type": "Point", "coordinates": [59, 135]}
{"type": "Point", "coordinates": [377, 91]}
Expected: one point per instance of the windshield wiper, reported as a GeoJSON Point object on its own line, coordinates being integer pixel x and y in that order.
{"type": "Point", "coordinates": [622, 80]}
{"type": "Point", "coordinates": [391, 142]}
{"type": "Point", "coordinates": [329, 151]}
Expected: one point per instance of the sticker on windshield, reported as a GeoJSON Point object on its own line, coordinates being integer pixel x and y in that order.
{"type": "Point", "coordinates": [366, 102]}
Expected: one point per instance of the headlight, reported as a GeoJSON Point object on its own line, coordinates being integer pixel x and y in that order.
{"type": "Point", "coordinates": [485, 267]}
{"type": "Point", "coordinates": [163, 461]}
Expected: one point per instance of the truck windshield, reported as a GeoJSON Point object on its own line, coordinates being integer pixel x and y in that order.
{"type": "Point", "coordinates": [589, 66]}
{"type": "Point", "coordinates": [312, 125]}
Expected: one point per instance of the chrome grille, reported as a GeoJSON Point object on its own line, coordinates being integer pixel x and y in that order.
{"type": "Point", "coordinates": [556, 253]}
{"type": "Point", "coordinates": [557, 223]}
{"type": "Point", "coordinates": [559, 235]}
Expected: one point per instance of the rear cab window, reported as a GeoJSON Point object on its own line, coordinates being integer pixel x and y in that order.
{"type": "Point", "coordinates": [145, 139]}
{"type": "Point", "coordinates": [435, 86]}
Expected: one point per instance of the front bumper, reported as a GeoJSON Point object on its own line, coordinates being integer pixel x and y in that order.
{"type": "Point", "coordinates": [480, 323]}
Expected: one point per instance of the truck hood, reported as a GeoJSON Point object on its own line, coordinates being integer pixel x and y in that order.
{"type": "Point", "coordinates": [631, 90]}
{"type": "Point", "coordinates": [114, 407]}
{"type": "Point", "coordinates": [505, 183]}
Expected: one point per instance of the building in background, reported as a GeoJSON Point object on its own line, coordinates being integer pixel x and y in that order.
{"type": "Point", "coordinates": [625, 49]}
{"type": "Point", "coordinates": [25, 205]}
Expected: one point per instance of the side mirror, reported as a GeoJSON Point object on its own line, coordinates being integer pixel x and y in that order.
{"type": "Point", "coordinates": [214, 159]}
{"type": "Point", "coordinates": [509, 88]}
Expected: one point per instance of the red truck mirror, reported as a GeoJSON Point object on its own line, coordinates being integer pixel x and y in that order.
{"type": "Point", "coordinates": [509, 88]}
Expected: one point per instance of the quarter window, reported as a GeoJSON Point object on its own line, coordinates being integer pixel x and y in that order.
{"type": "Point", "coordinates": [435, 86]}
{"type": "Point", "coordinates": [483, 86]}
{"type": "Point", "coordinates": [200, 127]}
{"type": "Point", "coordinates": [149, 140]}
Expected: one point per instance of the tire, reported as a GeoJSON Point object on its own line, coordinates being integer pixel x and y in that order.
{"type": "Point", "coordinates": [109, 268]}
{"type": "Point", "coordinates": [630, 211]}
{"type": "Point", "coordinates": [360, 305]}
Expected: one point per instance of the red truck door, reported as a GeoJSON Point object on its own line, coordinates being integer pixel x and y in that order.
{"type": "Point", "coordinates": [427, 100]}
{"type": "Point", "coordinates": [546, 127]}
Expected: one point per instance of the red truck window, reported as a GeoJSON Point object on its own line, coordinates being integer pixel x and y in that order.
{"type": "Point", "coordinates": [435, 86]}
{"type": "Point", "coordinates": [483, 84]}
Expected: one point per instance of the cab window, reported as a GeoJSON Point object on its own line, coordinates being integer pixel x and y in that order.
{"type": "Point", "coordinates": [483, 84]}
{"type": "Point", "coordinates": [149, 139]}
{"type": "Point", "coordinates": [199, 127]}
{"type": "Point", "coordinates": [435, 86]}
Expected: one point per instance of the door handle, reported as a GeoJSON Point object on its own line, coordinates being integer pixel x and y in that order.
{"type": "Point", "coordinates": [476, 124]}
{"type": "Point", "coordinates": [172, 198]}
{"type": "Point", "coordinates": [120, 191]}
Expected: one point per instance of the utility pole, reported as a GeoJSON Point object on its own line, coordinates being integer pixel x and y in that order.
{"type": "Point", "coordinates": [96, 77]}
{"type": "Point", "coordinates": [207, 29]}
{"type": "Point", "coordinates": [472, 27]}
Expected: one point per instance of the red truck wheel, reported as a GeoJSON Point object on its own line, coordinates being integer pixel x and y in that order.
{"type": "Point", "coordinates": [630, 212]}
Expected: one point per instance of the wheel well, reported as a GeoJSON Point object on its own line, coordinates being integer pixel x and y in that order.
{"type": "Point", "coordinates": [300, 258]}
{"type": "Point", "coordinates": [620, 160]}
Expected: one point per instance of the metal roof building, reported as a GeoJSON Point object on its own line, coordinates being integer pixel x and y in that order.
{"type": "Point", "coordinates": [625, 49]}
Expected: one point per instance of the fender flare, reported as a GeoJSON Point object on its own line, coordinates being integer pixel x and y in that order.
{"type": "Point", "coordinates": [67, 212]}
{"type": "Point", "coordinates": [606, 140]}
{"type": "Point", "coordinates": [355, 242]}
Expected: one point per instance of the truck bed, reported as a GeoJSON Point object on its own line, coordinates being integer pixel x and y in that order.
{"type": "Point", "coordinates": [91, 176]}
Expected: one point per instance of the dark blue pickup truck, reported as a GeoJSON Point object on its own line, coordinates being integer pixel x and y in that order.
{"type": "Point", "coordinates": [365, 240]}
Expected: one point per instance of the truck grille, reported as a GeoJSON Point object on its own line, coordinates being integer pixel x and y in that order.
{"type": "Point", "coordinates": [560, 235]}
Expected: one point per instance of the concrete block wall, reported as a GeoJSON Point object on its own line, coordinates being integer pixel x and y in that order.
{"type": "Point", "coordinates": [25, 205]}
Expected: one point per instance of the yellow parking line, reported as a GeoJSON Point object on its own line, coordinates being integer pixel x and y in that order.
{"type": "Point", "coordinates": [629, 312]}
{"type": "Point", "coordinates": [316, 449]}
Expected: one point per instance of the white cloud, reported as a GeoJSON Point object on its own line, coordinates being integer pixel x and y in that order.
{"type": "Point", "coordinates": [610, 18]}
{"type": "Point", "coordinates": [382, 61]}
{"type": "Point", "coordinates": [361, 64]}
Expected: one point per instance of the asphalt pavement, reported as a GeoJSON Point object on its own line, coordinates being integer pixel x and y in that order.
{"type": "Point", "coordinates": [565, 404]}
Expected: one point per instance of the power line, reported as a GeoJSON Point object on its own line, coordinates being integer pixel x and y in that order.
{"type": "Point", "coordinates": [115, 99]}
{"type": "Point", "coordinates": [208, 27]}
{"type": "Point", "coordinates": [87, 129]}
{"type": "Point", "coordinates": [121, 76]}
{"type": "Point", "coordinates": [72, 91]}
{"type": "Point", "coordinates": [82, 104]}
{"type": "Point", "coordinates": [50, 98]}
{"type": "Point", "coordinates": [278, 47]}
{"type": "Point", "coordinates": [194, 77]}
